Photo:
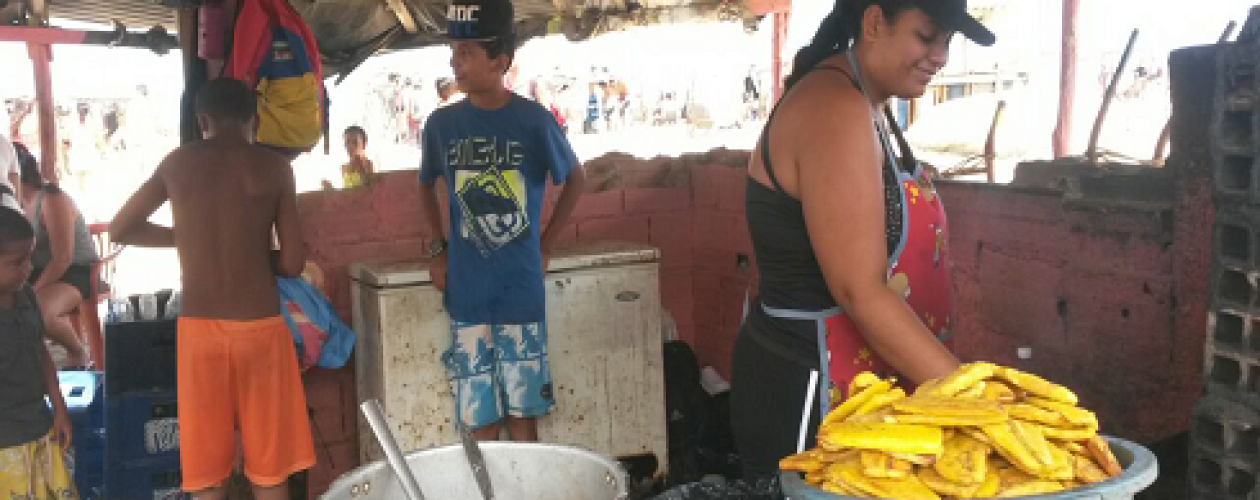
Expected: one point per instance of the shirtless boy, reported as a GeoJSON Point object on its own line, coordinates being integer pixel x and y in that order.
{"type": "Point", "coordinates": [238, 373]}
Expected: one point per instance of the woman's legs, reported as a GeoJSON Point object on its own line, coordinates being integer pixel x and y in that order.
{"type": "Point", "coordinates": [56, 301]}
{"type": "Point", "coordinates": [767, 397]}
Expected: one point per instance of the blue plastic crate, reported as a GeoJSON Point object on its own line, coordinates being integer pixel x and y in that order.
{"type": "Point", "coordinates": [146, 352]}
{"type": "Point", "coordinates": [141, 425]}
{"type": "Point", "coordinates": [150, 478]}
{"type": "Point", "coordinates": [85, 402]}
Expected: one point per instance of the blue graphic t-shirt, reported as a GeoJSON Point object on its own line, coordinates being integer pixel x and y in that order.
{"type": "Point", "coordinates": [496, 165]}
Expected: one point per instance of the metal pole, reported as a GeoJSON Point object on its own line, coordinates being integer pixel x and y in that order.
{"type": "Point", "coordinates": [1062, 138]}
{"type": "Point", "coordinates": [380, 427]}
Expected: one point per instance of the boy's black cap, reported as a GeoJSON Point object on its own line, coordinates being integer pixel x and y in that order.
{"type": "Point", "coordinates": [479, 20]}
{"type": "Point", "coordinates": [952, 15]}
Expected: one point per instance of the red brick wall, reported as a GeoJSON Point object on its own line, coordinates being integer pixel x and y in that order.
{"type": "Point", "coordinates": [1092, 290]}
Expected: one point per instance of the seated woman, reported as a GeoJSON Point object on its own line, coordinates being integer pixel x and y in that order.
{"type": "Point", "coordinates": [63, 256]}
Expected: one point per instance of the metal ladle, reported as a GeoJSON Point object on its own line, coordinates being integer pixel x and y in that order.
{"type": "Point", "coordinates": [380, 427]}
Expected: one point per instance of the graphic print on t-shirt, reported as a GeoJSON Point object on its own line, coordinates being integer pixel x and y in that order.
{"type": "Point", "coordinates": [490, 191]}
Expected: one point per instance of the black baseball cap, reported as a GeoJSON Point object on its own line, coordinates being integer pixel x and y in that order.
{"type": "Point", "coordinates": [479, 20]}
{"type": "Point", "coordinates": [952, 15]}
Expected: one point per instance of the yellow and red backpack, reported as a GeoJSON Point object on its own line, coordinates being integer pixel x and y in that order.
{"type": "Point", "coordinates": [274, 51]}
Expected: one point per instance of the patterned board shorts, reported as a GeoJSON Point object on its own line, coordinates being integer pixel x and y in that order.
{"type": "Point", "coordinates": [498, 370]}
{"type": "Point", "coordinates": [35, 471]}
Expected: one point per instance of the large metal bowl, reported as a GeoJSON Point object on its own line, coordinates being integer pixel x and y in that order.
{"type": "Point", "coordinates": [518, 471]}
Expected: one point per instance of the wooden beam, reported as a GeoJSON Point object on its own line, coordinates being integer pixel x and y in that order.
{"type": "Point", "coordinates": [45, 36]}
{"type": "Point", "coordinates": [763, 7]}
{"type": "Point", "coordinates": [1062, 138]}
{"type": "Point", "coordinates": [776, 52]}
{"type": "Point", "coordinates": [41, 61]}
{"type": "Point", "coordinates": [1091, 152]}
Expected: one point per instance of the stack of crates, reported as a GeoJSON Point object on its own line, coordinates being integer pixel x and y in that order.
{"type": "Point", "coordinates": [141, 415]}
{"type": "Point", "coordinates": [1225, 434]}
{"type": "Point", "coordinates": [85, 402]}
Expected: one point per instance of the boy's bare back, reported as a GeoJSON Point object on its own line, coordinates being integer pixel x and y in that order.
{"type": "Point", "coordinates": [225, 198]}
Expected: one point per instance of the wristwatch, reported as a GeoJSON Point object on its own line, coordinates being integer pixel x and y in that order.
{"type": "Point", "coordinates": [437, 246]}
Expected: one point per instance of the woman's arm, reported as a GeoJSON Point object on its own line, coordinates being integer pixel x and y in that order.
{"type": "Point", "coordinates": [57, 215]}
{"type": "Point", "coordinates": [840, 182]}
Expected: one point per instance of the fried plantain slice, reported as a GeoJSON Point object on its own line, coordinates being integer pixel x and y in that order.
{"type": "Point", "coordinates": [1101, 452]}
{"type": "Point", "coordinates": [894, 438]}
{"type": "Point", "coordinates": [1037, 386]}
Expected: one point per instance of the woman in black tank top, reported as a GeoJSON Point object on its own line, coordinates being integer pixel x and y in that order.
{"type": "Point", "coordinates": [826, 209]}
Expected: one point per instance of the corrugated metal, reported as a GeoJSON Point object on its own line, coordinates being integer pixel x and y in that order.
{"type": "Point", "coordinates": [136, 14]}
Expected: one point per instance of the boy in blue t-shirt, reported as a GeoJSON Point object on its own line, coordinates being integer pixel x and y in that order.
{"type": "Point", "coordinates": [495, 150]}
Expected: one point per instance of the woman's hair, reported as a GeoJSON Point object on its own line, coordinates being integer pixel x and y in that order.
{"type": "Point", "coordinates": [30, 174]}
{"type": "Point", "coordinates": [14, 226]}
{"type": "Point", "coordinates": [837, 32]}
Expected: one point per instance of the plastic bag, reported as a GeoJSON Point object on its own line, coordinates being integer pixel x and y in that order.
{"type": "Point", "coordinates": [766, 489]}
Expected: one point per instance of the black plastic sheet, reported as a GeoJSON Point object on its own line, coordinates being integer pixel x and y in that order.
{"type": "Point", "coordinates": [767, 489]}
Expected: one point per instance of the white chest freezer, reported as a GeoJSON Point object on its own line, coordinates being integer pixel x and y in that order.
{"type": "Point", "coordinates": [604, 345]}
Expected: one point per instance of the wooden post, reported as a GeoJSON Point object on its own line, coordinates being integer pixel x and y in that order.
{"type": "Point", "coordinates": [195, 74]}
{"type": "Point", "coordinates": [41, 61]}
{"type": "Point", "coordinates": [1062, 139]}
{"type": "Point", "coordinates": [990, 144]}
{"type": "Point", "coordinates": [776, 57]}
{"type": "Point", "coordinates": [1091, 152]}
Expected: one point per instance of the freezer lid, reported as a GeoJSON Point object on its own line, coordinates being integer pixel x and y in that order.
{"type": "Point", "coordinates": [579, 256]}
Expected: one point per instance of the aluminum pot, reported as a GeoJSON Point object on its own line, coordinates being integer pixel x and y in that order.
{"type": "Point", "coordinates": [518, 471]}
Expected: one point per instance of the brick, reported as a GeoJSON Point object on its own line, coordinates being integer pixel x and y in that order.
{"type": "Point", "coordinates": [331, 461]}
{"type": "Point", "coordinates": [408, 223]}
{"type": "Point", "coordinates": [384, 251]}
{"type": "Point", "coordinates": [706, 186]}
{"type": "Point", "coordinates": [677, 294]}
{"type": "Point", "coordinates": [732, 185]}
{"type": "Point", "coordinates": [1228, 374]}
{"type": "Point", "coordinates": [1235, 177]}
{"type": "Point", "coordinates": [602, 204]}
{"type": "Point", "coordinates": [332, 424]}
{"type": "Point", "coordinates": [323, 390]}
{"type": "Point", "coordinates": [721, 240]}
{"type": "Point", "coordinates": [1212, 480]}
{"type": "Point", "coordinates": [1018, 296]}
{"type": "Point", "coordinates": [568, 236]}
{"type": "Point", "coordinates": [657, 200]}
{"type": "Point", "coordinates": [347, 227]}
{"type": "Point", "coordinates": [1232, 288]}
{"type": "Point", "coordinates": [628, 229]}
{"type": "Point", "coordinates": [672, 234]}
{"type": "Point", "coordinates": [707, 298]}
{"type": "Point", "coordinates": [1226, 428]}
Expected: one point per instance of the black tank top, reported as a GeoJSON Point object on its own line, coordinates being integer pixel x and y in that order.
{"type": "Point", "coordinates": [790, 277]}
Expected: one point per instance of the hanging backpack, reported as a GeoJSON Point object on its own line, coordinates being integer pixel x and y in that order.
{"type": "Point", "coordinates": [274, 51]}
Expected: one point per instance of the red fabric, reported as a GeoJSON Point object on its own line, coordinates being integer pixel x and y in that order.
{"type": "Point", "coordinates": [922, 266]}
{"type": "Point", "coordinates": [312, 336]}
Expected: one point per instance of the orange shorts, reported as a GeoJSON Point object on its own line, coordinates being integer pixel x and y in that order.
{"type": "Point", "coordinates": [240, 376]}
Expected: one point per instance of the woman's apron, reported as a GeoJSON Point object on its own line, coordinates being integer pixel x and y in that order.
{"type": "Point", "coordinates": [917, 270]}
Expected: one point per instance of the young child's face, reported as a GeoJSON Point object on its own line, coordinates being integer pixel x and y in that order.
{"type": "Point", "coordinates": [354, 143]}
{"type": "Point", "coordinates": [15, 264]}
